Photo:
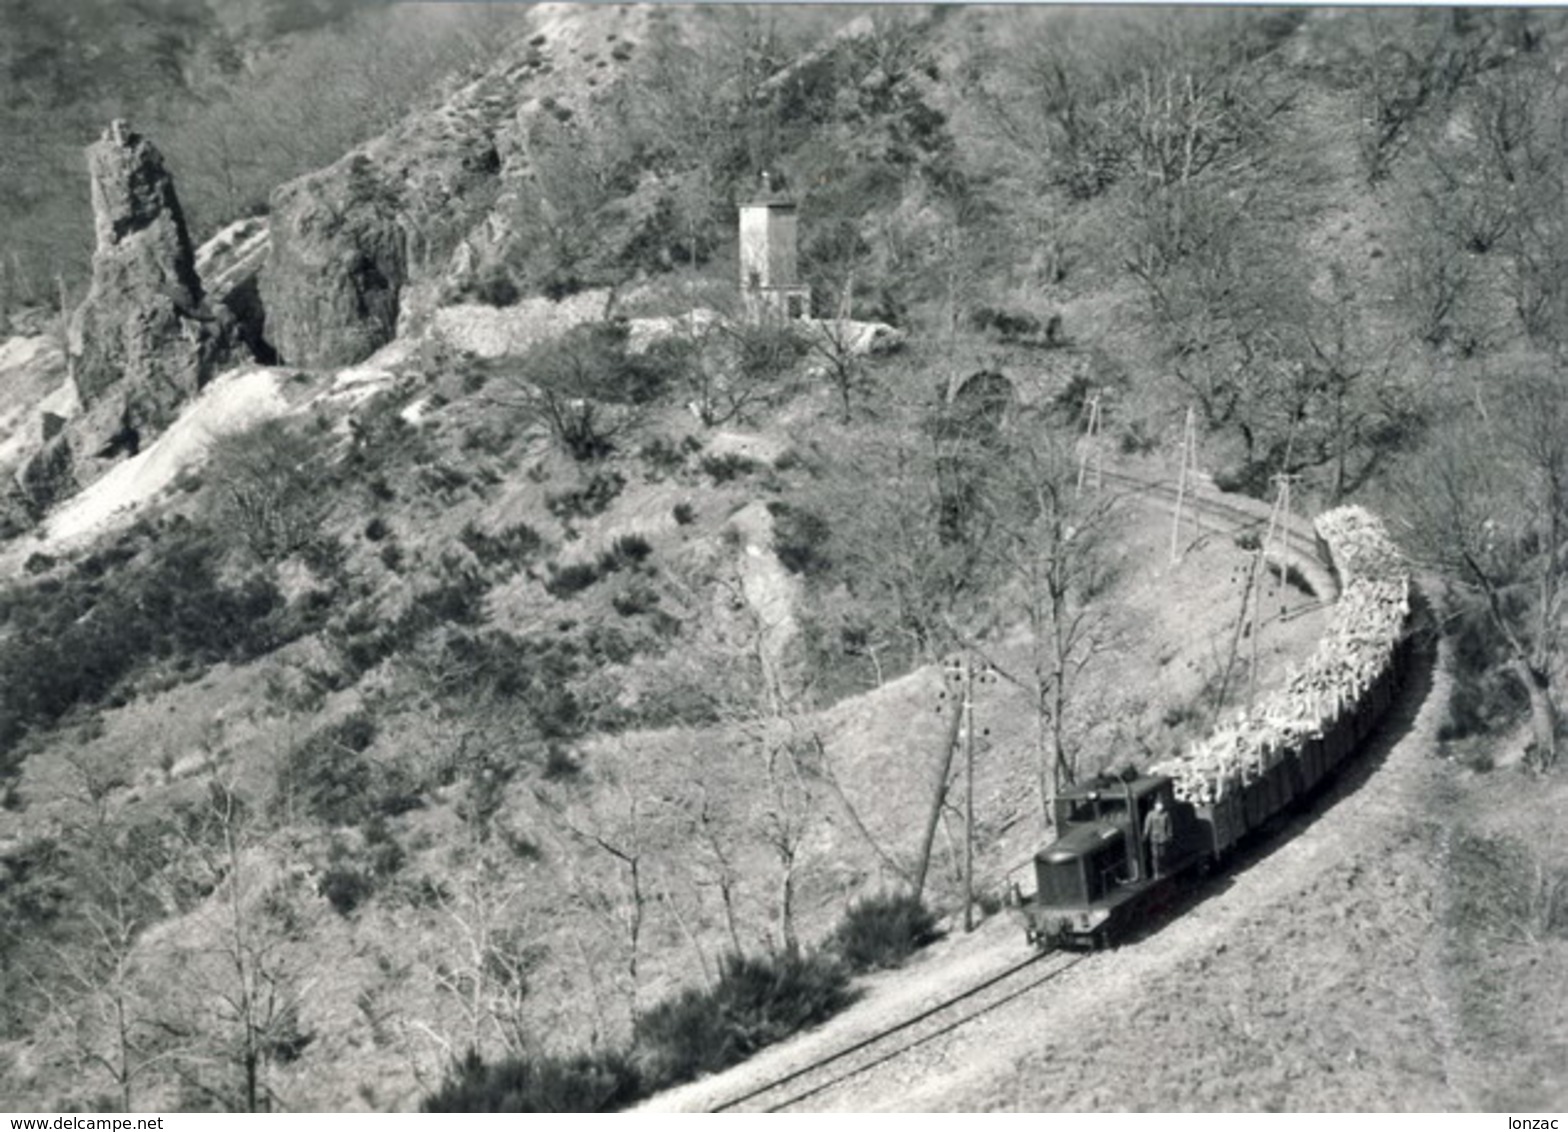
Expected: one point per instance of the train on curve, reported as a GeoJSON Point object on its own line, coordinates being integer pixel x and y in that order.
{"type": "Point", "coordinates": [1114, 866]}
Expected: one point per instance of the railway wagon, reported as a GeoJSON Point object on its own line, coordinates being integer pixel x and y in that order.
{"type": "Point", "coordinates": [1101, 876]}
{"type": "Point", "coordinates": [1300, 770]}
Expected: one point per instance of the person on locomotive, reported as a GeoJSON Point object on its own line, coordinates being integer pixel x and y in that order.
{"type": "Point", "coordinates": [1157, 832]}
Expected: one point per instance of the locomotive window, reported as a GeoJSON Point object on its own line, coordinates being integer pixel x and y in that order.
{"type": "Point", "coordinates": [1082, 810]}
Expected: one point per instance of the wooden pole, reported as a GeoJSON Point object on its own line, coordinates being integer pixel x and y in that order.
{"type": "Point", "coordinates": [1091, 436]}
{"type": "Point", "coordinates": [1187, 439]}
{"type": "Point", "coordinates": [937, 796]}
{"type": "Point", "coordinates": [1257, 594]}
{"type": "Point", "coordinates": [969, 793]}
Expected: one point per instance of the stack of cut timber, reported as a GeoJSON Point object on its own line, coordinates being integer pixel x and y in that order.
{"type": "Point", "coordinates": [1356, 651]}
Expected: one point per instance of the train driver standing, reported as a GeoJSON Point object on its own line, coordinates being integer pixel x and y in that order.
{"type": "Point", "coordinates": [1157, 832]}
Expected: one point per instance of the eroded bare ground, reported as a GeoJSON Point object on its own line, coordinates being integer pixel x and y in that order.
{"type": "Point", "coordinates": [1324, 970]}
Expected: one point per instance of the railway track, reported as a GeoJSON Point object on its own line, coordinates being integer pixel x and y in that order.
{"type": "Point", "coordinates": [1300, 538]}
{"type": "Point", "coordinates": [823, 1074]}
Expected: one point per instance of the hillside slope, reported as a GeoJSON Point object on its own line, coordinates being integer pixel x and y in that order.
{"type": "Point", "coordinates": [539, 631]}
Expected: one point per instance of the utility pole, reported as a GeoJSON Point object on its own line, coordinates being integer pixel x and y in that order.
{"type": "Point", "coordinates": [1189, 455]}
{"type": "Point", "coordinates": [1276, 529]}
{"type": "Point", "coordinates": [969, 793]}
{"type": "Point", "coordinates": [963, 672]}
{"type": "Point", "coordinates": [952, 670]}
{"type": "Point", "coordinates": [1091, 442]}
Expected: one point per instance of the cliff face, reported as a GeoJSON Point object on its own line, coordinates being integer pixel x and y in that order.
{"type": "Point", "coordinates": [377, 240]}
{"type": "Point", "coordinates": [336, 267]}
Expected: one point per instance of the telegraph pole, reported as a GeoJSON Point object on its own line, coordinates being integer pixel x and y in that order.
{"type": "Point", "coordinates": [969, 793]}
{"type": "Point", "coordinates": [1091, 441]}
{"type": "Point", "coordinates": [1276, 528]}
{"type": "Point", "coordinates": [952, 669]}
{"type": "Point", "coordinates": [1189, 445]}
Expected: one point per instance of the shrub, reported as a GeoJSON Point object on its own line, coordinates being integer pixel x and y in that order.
{"type": "Point", "coordinates": [589, 500]}
{"type": "Point", "coordinates": [591, 361]}
{"type": "Point", "coordinates": [494, 287]}
{"type": "Point", "coordinates": [80, 640]}
{"type": "Point", "coordinates": [626, 551]}
{"type": "Point", "coordinates": [730, 466]}
{"type": "Point", "coordinates": [269, 495]}
{"type": "Point", "coordinates": [767, 350]}
{"type": "Point", "coordinates": [565, 581]}
{"type": "Point", "coordinates": [377, 529]}
{"type": "Point", "coordinates": [636, 598]}
{"type": "Point", "coordinates": [513, 546]}
{"type": "Point", "coordinates": [662, 457]}
{"type": "Point", "coordinates": [559, 763]}
{"type": "Point", "coordinates": [798, 539]}
{"type": "Point", "coordinates": [757, 1001]}
{"type": "Point", "coordinates": [331, 780]}
{"type": "Point", "coordinates": [684, 514]}
{"type": "Point", "coordinates": [603, 1081]}
{"type": "Point", "coordinates": [883, 931]}
{"type": "Point", "coordinates": [345, 886]}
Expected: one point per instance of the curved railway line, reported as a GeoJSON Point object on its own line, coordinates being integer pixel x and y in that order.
{"type": "Point", "coordinates": [884, 1045]}
{"type": "Point", "coordinates": [954, 1011]}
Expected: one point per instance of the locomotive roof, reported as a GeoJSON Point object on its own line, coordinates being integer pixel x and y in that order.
{"type": "Point", "coordinates": [1105, 784]}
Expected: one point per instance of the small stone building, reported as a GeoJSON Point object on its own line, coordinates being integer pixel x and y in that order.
{"type": "Point", "coordinates": [769, 279]}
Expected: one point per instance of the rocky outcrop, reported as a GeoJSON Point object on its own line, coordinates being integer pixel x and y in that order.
{"type": "Point", "coordinates": [336, 267]}
{"type": "Point", "coordinates": [373, 245]}
{"type": "Point", "coordinates": [143, 338]}
{"type": "Point", "coordinates": [230, 267]}
{"type": "Point", "coordinates": [144, 341]}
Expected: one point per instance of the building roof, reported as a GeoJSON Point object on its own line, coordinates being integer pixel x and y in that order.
{"type": "Point", "coordinates": [770, 200]}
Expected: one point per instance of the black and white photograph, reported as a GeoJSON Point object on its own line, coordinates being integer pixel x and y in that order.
{"type": "Point", "coordinates": [779, 557]}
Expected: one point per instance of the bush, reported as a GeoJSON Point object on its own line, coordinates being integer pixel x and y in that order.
{"type": "Point", "coordinates": [565, 581]}
{"type": "Point", "coordinates": [685, 514]}
{"type": "Point", "coordinates": [589, 500]}
{"type": "Point", "coordinates": [662, 457]}
{"type": "Point", "coordinates": [604, 1081]}
{"type": "Point", "coordinates": [495, 287]}
{"type": "Point", "coordinates": [80, 640]}
{"type": "Point", "coordinates": [636, 598]}
{"type": "Point", "coordinates": [591, 361]}
{"type": "Point", "coordinates": [883, 931]}
{"type": "Point", "coordinates": [730, 466]}
{"type": "Point", "coordinates": [756, 1002]}
{"type": "Point", "coordinates": [331, 780]}
{"type": "Point", "coordinates": [627, 551]}
{"type": "Point", "coordinates": [513, 547]}
{"type": "Point", "coordinates": [798, 539]}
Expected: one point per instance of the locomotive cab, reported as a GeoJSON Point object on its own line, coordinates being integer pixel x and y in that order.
{"type": "Point", "coordinates": [1088, 878]}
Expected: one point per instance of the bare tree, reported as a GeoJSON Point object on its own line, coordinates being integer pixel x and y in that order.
{"type": "Point", "coordinates": [485, 958]}
{"type": "Point", "coordinates": [614, 826]}
{"type": "Point", "coordinates": [98, 986]}
{"type": "Point", "coordinates": [1487, 505]}
{"type": "Point", "coordinates": [236, 1016]}
{"type": "Point", "coordinates": [269, 488]}
{"type": "Point", "coordinates": [1053, 566]}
